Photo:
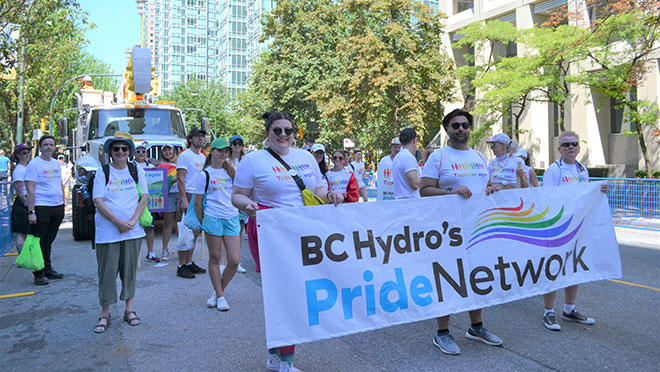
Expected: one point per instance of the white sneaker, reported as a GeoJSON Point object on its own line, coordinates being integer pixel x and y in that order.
{"type": "Point", "coordinates": [222, 304]}
{"type": "Point", "coordinates": [284, 367]}
{"type": "Point", "coordinates": [241, 269]}
{"type": "Point", "coordinates": [222, 268]}
{"type": "Point", "coordinates": [165, 256]}
{"type": "Point", "coordinates": [212, 301]}
{"type": "Point", "coordinates": [273, 362]}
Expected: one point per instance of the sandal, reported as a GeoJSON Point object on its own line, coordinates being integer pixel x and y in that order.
{"type": "Point", "coordinates": [100, 327]}
{"type": "Point", "coordinates": [134, 321]}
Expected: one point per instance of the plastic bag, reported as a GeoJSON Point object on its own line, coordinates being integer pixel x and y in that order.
{"type": "Point", "coordinates": [146, 219]}
{"type": "Point", "coordinates": [185, 239]}
{"type": "Point", "coordinates": [31, 256]}
{"type": "Point", "coordinates": [190, 219]}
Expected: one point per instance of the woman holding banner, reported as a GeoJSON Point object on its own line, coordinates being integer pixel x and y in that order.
{"type": "Point", "coordinates": [506, 168]}
{"type": "Point", "coordinates": [341, 180]}
{"type": "Point", "coordinates": [260, 175]}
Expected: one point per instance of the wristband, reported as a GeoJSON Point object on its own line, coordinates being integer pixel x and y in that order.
{"type": "Point", "coordinates": [449, 190]}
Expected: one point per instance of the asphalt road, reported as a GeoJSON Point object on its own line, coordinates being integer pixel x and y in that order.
{"type": "Point", "coordinates": [52, 329]}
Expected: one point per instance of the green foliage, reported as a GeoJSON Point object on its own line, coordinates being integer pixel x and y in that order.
{"type": "Point", "coordinates": [355, 69]}
{"type": "Point", "coordinates": [643, 173]}
{"type": "Point", "coordinates": [600, 172]}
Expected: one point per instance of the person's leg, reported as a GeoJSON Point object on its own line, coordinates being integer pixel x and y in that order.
{"type": "Point", "coordinates": [214, 244]}
{"type": "Point", "coordinates": [549, 320]}
{"type": "Point", "coordinates": [443, 323]}
{"type": "Point", "coordinates": [150, 237]}
{"type": "Point", "coordinates": [107, 258]}
{"type": "Point", "coordinates": [168, 224]}
{"type": "Point", "coordinates": [549, 300]}
{"type": "Point", "coordinates": [570, 294]}
{"type": "Point", "coordinates": [233, 248]}
{"type": "Point", "coordinates": [223, 255]}
{"type": "Point", "coordinates": [41, 231]}
{"type": "Point", "coordinates": [20, 240]}
{"type": "Point", "coordinates": [443, 339]}
{"type": "Point", "coordinates": [477, 331]}
{"type": "Point", "coordinates": [56, 215]}
{"type": "Point", "coordinates": [253, 242]}
{"type": "Point", "coordinates": [475, 316]}
{"type": "Point", "coordinates": [129, 256]}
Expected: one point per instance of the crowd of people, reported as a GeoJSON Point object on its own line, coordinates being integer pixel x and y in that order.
{"type": "Point", "coordinates": [224, 187]}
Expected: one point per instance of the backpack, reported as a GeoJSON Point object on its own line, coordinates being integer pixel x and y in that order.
{"type": "Point", "coordinates": [88, 201]}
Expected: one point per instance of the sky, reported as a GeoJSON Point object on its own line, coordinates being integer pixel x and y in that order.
{"type": "Point", "coordinates": [117, 28]}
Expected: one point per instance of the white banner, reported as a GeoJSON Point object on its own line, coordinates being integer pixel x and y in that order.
{"type": "Point", "coordinates": [331, 271]}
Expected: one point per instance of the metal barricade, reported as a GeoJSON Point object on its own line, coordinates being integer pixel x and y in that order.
{"type": "Point", "coordinates": [635, 202]}
{"type": "Point", "coordinates": [6, 241]}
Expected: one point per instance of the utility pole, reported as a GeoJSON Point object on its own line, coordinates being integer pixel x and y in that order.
{"type": "Point", "coordinates": [21, 88]}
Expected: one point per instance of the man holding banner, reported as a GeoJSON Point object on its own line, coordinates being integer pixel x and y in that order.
{"type": "Point", "coordinates": [384, 186]}
{"type": "Point", "coordinates": [458, 169]}
{"type": "Point", "coordinates": [566, 170]}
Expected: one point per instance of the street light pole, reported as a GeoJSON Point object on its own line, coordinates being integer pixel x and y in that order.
{"type": "Point", "coordinates": [21, 82]}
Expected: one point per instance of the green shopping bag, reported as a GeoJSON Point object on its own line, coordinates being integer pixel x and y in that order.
{"type": "Point", "coordinates": [31, 256]}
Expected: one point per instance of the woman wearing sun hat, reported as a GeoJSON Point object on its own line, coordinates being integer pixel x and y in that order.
{"type": "Point", "coordinates": [118, 234]}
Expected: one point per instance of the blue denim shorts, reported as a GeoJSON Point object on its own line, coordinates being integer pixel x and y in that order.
{"type": "Point", "coordinates": [221, 226]}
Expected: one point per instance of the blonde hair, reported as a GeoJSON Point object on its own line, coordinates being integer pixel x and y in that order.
{"type": "Point", "coordinates": [568, 133]}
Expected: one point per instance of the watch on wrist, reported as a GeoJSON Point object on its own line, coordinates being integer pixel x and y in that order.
{"type": "Point", "coordinates": [449, 189]}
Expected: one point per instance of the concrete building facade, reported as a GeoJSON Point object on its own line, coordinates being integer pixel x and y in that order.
{"type": "Point", "coordinates": [594, 117]}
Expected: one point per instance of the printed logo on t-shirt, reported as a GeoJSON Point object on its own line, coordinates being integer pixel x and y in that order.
{"type": "Point", "coordinates": [571, 179]}
{"type": "Point", "coordinates": [471, 169]}
{"type": "Point", "coordinates": [220, 184]}
{"type": "Point", "coordinates": [50, 173]}
{"type": "Point", "coordinates": [121, 185]}
{"type": "Point", "coordinates": [339, 184]}
{"type": "Point", "coordinates": [299, 168]}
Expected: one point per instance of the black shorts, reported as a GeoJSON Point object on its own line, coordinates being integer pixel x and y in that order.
{"type": "Point", "coordinates": [19, 218]}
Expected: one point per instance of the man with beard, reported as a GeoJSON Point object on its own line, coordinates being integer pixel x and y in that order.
{"type": "Point", "coordinates": [458, 169]}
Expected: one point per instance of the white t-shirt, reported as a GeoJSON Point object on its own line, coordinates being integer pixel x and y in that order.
{"type": "Point", "coordinates": [193, 164]}
{"type": "Point", "coordinates": [48, 176]}
{"type": "Point", "coordinates": [338, 181]}
{"type": "Point", "coordinates": [503, 168]}
{"type": "Point", "coordinates": [18, 175]}
{"type": "Point", "coordinates": [271, 183]}
{"type": "Point", "coordinates": [561, 173]}
{"type": "Point", "coordinates": [121, 197]}
{"type": "Point", "coordinates": [403, 163]}
{"type": "Point", "coordinates": [384, 186]}
{"type": "Point", "coordinates": [454, 168]}
{"type": "Point", "coordinates": [218, 195]}
{"type": "Point", "coordinates": [65, 169]}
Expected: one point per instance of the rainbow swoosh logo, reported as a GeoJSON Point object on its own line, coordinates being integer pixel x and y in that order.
{"type": "Point", "coordinates": [517, 224]}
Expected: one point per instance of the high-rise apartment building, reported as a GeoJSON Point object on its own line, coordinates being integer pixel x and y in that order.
{"type": "Point", "coordinates": [232, 45]}
{"type": "Point", "coordinates": [147, 9]}
{"type": "Point", "coordinates": [256, 10]}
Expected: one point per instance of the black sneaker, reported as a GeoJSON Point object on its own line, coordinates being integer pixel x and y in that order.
{"type": "Point", "coordinates": [40, 279]}
{"type": "Point", "coordinates": [576, 317]}
{"type": "Point", "coordinates": [196, 269]}
{"type": "Point", "coordinates": [184, 272]}
{"type": "Point", "coordinates": [52, 274]}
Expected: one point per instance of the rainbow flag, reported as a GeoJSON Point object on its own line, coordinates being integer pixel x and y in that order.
{"type": "Point", "coordinates": [171, 173]}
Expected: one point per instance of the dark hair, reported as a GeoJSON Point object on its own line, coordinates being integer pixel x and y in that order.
{"type": "Point", "coordinates": [407, 135]}
{"type": "Point", "coordinates": [43, 138]}
{"type": "Point", "coordinates": [453, 114]}
{"type": "Point", "coordinates": [226, 165]}
{"type": "Point", "coordinates": [323, 166]}
{"type": "Point", "coordinates": [356, 151]}
{"type": "Point", "coordinates": [271, 117]}
{"type": "Point", "coordinates": [161, 156]}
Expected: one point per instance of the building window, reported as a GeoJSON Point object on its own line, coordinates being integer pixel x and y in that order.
{"type": "Point", "coordinates": [619, 118]}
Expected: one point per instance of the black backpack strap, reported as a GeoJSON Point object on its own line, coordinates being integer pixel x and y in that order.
{"type": "Point", "coordinates": [132, 169]}
{"type": "Point", "coordinates": [106, 171]}
{"type": "Point", "coordinates": [208, 176]}
{"type": "Point", "coordinates": [296, 177]}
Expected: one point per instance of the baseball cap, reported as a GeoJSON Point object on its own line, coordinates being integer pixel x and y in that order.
{"type": "Point", "coordinates": [395, 141]}
{"type": "Point", "coordinates": [144, 145]}
{"type": "Point", "coordinates": [196, 131]}
{"type": "Point", "coordinates": [219, 143]}
{"type": "Point", "coordinates": [522, 153]}
{"type": "Point", "coordinates": [235, 137]}
{"type": "Point", "coordinates": [60, 156]}
{"type": "Point", "coordinates": [501, 138]}
{"type": "Point", "coordinates": [317, 146]}
{"type": "Point", "coordinates": [119, 137]}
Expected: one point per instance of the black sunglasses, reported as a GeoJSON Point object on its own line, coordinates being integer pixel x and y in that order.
{"type": "Point", "coordinates": [337, 158]}
{"type": "Point", "coordinates": [278, 131]}
{"type": "Point", "coordinates": [141, 151]}
{"type": "Point", "coordinates": [465, 125]}
{"type": "Point", "coordinates": [569, 144]}
{"type": "Point", "coordinates": [237, 143]}
{"type": "Point", "coordinates": [120, 148]}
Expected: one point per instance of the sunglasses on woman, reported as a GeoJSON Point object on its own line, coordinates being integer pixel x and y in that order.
{"type": "Point", "coordinates": [120, 148]}
{"type": "Point", "coordinates": [569, 144]}
{"type": "Point", "coordinates": [141, 151]}
{"type": "Point", "coordinates": [455, 126]}
{"type": "Point", "coordinates": [337, 158]}
{"type": "Point", "coordinates": [278, 131]}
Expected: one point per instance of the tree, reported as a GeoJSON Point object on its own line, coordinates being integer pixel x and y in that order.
{"type": "Point", "coordinates": [623, 43]}
{"type": "Point", "coordinates": [53, 35]}
{"type": "Point", "coordinates": [355, 69]}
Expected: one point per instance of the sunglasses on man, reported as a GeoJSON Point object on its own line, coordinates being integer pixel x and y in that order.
{"type": "Point", "coordinates": [141, 151]}
{"type": "Point", "coordinates": [278, 131]}
{"type": "Point", "coordinates": [237, 143]}
{"type": "Point", "coordinates": [120, 148]}
{"type": "Point", "coordinates": [465, 125]}
{"type": "Point", "coordinates": [569, 144]}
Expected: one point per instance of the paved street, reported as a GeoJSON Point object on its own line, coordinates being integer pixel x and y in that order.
{"type": "Point", "coordinates": [52, 329]}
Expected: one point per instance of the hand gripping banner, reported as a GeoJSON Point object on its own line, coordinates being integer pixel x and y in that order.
{"type": "Point", "coordinates": [330, 271]}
